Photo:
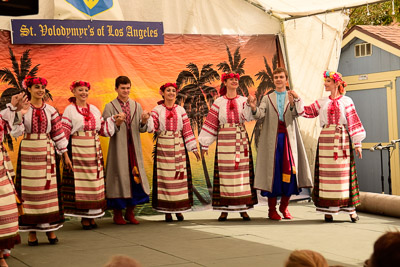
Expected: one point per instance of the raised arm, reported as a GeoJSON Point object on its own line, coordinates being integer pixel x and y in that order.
{"type": "Point", "coordinates": [153, 123]}
{"type": "Point", "coordinates": [259, 112]}
{"type": "Point", "coordinates": [107, 126]}
{"type": "Point", "coordinates": [247, 113]}
{"type": "Point", "coordinates": [311, 111]}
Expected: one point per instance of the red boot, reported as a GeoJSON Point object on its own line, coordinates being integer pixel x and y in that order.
{"type": "Point", "coordinates": [272, 213]}
{"type": "Point", "coordinates": [118, 217]}
{"type": "Point", "coordinates": [283, 207]}
{"type": "Point", "coordinates": [130, 216]}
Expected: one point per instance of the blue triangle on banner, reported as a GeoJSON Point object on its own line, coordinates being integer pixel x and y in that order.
{"type": "Point", "coordinates": [91, 7]}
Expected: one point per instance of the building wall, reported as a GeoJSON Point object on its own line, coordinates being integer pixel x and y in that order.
{"type": "Point", "coordinates": [379, 61]}
{"type": "Point", "coordinates": [374, 86]}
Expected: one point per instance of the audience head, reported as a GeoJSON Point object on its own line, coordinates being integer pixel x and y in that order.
{"type": "Point", "coordinates": [386, 251]}
{"type": "Point", "coordinates": [122, 261]}
{"type": "Point", "coordinates": [306, 258]}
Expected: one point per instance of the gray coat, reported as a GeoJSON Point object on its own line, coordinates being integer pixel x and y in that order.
{"type": "Point", "coordinates": [118, 174]}
{"type": "Point", "coordinates": [265, 166]}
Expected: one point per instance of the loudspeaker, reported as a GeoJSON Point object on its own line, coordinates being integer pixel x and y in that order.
{"type": "Point", "coordinates": [19, 7]}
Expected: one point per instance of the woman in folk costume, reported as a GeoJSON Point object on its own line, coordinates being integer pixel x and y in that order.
{"type": "Point", "coordinates": [8, 196]}
{"type": "Point", "coordinates": [282, 168]}
{"type": "Point", "coordinates": [233, 168]}
{"type": "Point", "coordinates": [335, 186]}
{"type": "Point", "coordinates": [37, 179]}
{"type": "Point", "coordinates": [83, 187]}
{"type": "Point", "coordinates": [172, 177]}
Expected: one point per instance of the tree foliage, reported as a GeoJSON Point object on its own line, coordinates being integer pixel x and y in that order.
{"type": "Point", "coordinates": [236, 64]}
{"type": "Point", "coordinates": [379, 14]}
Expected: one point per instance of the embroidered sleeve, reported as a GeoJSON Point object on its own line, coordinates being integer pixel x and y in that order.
{"type": "Point", "coordinates": [311, 111]}
{"type": "Point", "coordinates": [12, 122]}
{"type": "Point", "coordinates": [209, 130]}
{"type": "Point", "coordinates": [142, 127]}
{"type": "Point", "coordinates": [18, 128]}
{"type": "Point", "coordinates": [187, 133]}
{"type": "Point", "coordinates": [247, 114]}
{"type": "Point", "coordinates": [66, 125]}
{"type": "Point", "coordinates": [356, 129]}
{"type": "Point", "coordinates": [153, 123]}
{"type": "Point", "coordinates": [57, 133]}
{"type": "Point", "coordinates": [107, 126]}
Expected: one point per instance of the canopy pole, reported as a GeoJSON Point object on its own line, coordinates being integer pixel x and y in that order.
{"type": "Point", "coordinates": [285, 52]}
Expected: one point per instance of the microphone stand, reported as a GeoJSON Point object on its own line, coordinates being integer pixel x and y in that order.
{"type": "Point", "coordinates": [387, 147]}
{"type": "Point", "coordinates": [390, 172]}
{"type": "Point", "coordinates": [379, 147]}
{"type": "Point", "coordinates": [382, 177]}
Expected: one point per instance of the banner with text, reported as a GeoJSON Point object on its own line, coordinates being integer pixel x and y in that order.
{"type": "Point", "coordinates": [30, 31]}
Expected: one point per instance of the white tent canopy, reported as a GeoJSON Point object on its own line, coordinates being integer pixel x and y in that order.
{"type": "Point", "coordinates": [311, 43]}
{"type": "Point", "coordinates": [286, 9]}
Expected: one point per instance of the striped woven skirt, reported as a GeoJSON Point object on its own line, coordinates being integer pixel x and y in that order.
{"type": "Point", "coordinates": [172, 177]}
{"type": "Point", "coordinates": [8, 207]}
{"type": "Point", "coordinates": [83, 188]}
{"type": "Point", "coordinates": [233, 187]}
{"type": "Point", "coordinates": [37, 184]}
{"type": "Point", "coordinates": [335, 180]}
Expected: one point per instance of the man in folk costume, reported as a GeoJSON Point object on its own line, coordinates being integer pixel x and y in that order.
{"type": "Point", "coordinates": [282, 167]}
{"type": "Point", "coordinates": [126, 180]}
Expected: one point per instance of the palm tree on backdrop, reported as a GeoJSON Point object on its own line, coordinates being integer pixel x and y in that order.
{"type": "Point", "coordinates": [236, 65]}
{"type": "Point", "coordinates": [266, 83]}
{"type": "Point", "coordinates": [14, 78]}
{"type": "Point", "coordinates": [197, 97]}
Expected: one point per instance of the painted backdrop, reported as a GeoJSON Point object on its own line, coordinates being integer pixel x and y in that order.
{"type": "Point", "coordinates": [149, 67]}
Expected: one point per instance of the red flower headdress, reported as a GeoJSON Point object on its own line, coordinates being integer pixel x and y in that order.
{"type": "Point", "coordinates": [231, 75]}
{"type": "Point", "coordinates": [166, 85]}
{"type": "Point", "coordinates": [77, 83]}
{"type": "Point", "coordinates": [337, 77]}
{"type": "Point", "coordinates": [163, 87]}
{"type": "Point", "coordinates": [29, 81]}
{"type": "Point", "coordinates": [225, 76]}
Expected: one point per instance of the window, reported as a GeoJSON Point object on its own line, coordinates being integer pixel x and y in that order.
{"type": "Point", "coordinates": [363, 50]}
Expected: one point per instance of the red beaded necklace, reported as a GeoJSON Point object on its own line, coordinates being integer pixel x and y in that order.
{"type": "Point", "coordinates": [85, 114]}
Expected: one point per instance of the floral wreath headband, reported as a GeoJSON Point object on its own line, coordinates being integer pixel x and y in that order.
{"type": "Point", "coordinates": [231, 75]}
{"type": "Point", "coordinates": [166, 85]}
{"type": "Point", "coordinates": [29, 81]}
{"type": "Point", "coordinates": [77, 83]}
{"type": "Point", "coordinates": [336, 76]}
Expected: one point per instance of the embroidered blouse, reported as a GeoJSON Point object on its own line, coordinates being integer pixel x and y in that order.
{"type": "Point", "coordinates": [77, 119]}
{"type": "Point", "coordinates": [46, 119]}
{"type": "Point", "coordinates": [335, 111]}
{"type": "Point", "coordinates": [125, 106]}
{"type": "Point", "coordinates": [224, 110]}
{"type": "Point", "coordinates": [172, 119]}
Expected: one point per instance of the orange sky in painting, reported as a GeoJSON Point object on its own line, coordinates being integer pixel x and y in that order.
{"type": "Point", "coordinates": [147, 66]}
